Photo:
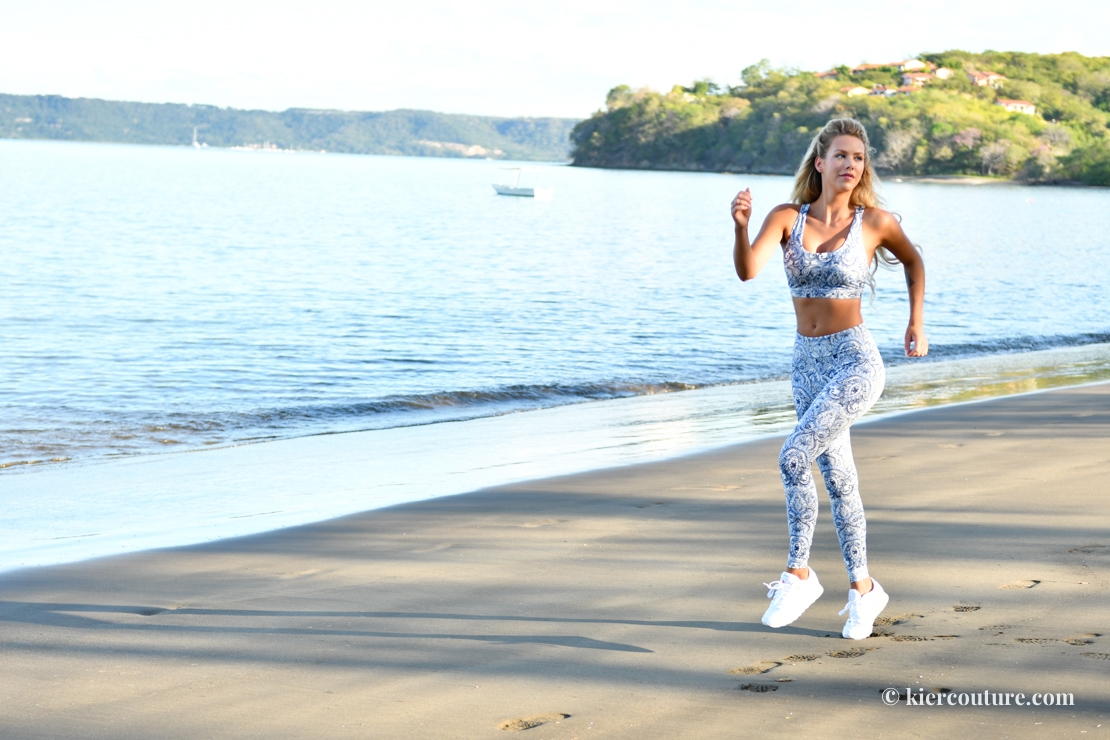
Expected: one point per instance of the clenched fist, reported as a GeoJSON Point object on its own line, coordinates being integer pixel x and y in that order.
{"type": "Point", "coordinates": [742, 207]}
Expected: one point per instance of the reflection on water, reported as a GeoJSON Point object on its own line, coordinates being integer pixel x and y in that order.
{"type": "Point", "coordinates": [915, 386]}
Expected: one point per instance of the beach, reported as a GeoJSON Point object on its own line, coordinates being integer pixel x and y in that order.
{"type": "Point", "coordinates": [622, 602]}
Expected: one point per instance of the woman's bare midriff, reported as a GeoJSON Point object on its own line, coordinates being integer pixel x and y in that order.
{"type": "Point", "coordinates": [818, 317]}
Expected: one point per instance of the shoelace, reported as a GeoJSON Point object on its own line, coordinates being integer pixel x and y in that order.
{"type": "Point", "coordinates": [779, 586]}
{"type": "Point", "coordinates": [852, 616]}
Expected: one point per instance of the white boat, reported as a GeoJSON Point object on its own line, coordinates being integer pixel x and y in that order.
{"type": "Point", "coordinates": [502, 187]}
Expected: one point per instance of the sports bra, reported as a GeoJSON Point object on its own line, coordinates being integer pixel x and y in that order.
{"type": "Point", "coordinates": [841, 273]}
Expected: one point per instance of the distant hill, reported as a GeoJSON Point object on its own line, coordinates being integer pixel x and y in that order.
{"type": "Point", "coordinates": [1033, 117]}
{"type": "Point", "coordinates": [406, 132]}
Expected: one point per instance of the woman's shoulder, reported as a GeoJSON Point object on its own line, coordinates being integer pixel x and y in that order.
{"type": "Point", "coordinates": [785, 210]}
{"type": "Point", "coordinates": [877, 218]}
{"type": "Point", "coordinates": [792, 207]}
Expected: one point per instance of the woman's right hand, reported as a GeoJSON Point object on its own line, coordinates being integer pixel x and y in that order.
{"type": "Point", "coordinates": [742, 208]}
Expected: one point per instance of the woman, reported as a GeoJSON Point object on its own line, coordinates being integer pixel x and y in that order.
{"type": "Point", "coordinates": [830, 235]}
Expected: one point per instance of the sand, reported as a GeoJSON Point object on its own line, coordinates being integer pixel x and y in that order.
{"type": "Point", "coordinates": [621, 603]}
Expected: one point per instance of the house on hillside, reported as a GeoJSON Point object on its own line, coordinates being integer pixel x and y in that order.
{"type": "Point", "coordinates": [984, 79]}
{"type": "Point", "coordinates": [916, 79]}
{"type": "Point", "coordinates": [943, 73]}
{"type": "Point", "coordinates": [909, 65]}
{"type": "Point", "coordinates": [1017, 106]}
{"type": "Point", "coordinates": [852, 92]}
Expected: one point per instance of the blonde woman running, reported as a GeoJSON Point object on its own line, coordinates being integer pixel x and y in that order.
{"type": "Point", "coordinates": [830, 235]}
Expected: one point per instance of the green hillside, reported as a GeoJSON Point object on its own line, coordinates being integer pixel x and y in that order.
{"type": "Point", "coordinates": [946, 127]}
{"type": "Point", "coordinates": [408, 132]}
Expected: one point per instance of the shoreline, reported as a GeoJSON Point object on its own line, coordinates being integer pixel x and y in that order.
{"type": "Point", "coordinates": [620, 602]}
{"type": "Point", "coordinates": [176, 499]}
{"type": "Point", "coordinates": [440, 415]}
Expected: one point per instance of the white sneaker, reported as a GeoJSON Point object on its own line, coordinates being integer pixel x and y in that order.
{"type": "Point", "coordinates": [862, 611]}
{"type": "Point", "coordinates": [790, 596]}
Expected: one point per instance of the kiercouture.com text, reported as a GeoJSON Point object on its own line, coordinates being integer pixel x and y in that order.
{"type": "Point", "coordinates": [923, 698]}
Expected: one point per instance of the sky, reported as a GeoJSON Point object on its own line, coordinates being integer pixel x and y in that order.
{"type": "Point", "coordinates": [489, 58]}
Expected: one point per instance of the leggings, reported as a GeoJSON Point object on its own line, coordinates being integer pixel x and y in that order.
{"type": "Point", "coordinates": [836, 379]}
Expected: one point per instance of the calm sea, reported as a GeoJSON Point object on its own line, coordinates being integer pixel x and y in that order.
{"type": "Point", "coordinates": [159, 300]}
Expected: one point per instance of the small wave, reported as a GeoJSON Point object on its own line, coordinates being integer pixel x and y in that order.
{"type": "Point", "coordinates": [513, 397]}
{"type": "Point", "coordinates": [1003, 346]}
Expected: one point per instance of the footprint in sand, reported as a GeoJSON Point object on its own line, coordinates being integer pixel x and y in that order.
{"type": "Point", "coordinates": [1097, 656]}
{"type": "Point", "coordinates": [850, 652]}
{"type": "Point", "coordinates": [922, 638]}
{"type": "Point", "coordinates": [1087, 639]}
{"type": "Point", "coordinates": [1036, 640]}
{"type": "Point", "coordinates": [896, 619]}
{"type": "Point", "coordinates": [1089, 549]}
{"type": "Point", "coordinates": [527, 723]}
{"type": "Point", "coordinates": [756, 668]}
{"type": "Point", "coordinates": [997, 629]}
{"type": "Point", "coordinates": [800, 658]}
{"type": "Point", "coordinates": [760, 687]}
{"type": "Point", "coordinates": [1020, 584]}
{"type": "Point", "coordinates": [966, 608]}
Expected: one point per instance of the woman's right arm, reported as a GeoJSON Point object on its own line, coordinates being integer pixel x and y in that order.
{"type": "Point", "coordinates": [750, 257]}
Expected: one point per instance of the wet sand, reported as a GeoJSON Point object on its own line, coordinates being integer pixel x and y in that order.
{"type": "Point", "coordinates": [620, 603]}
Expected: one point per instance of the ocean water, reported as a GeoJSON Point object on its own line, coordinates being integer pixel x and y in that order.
{"type": "Point", "coordinates": [159, 298]}
{"type": "Point", "coordinates": [163, 300]}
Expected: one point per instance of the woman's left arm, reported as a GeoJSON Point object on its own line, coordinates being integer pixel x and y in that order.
{"type": "Point", "coordinates": [893, 238]}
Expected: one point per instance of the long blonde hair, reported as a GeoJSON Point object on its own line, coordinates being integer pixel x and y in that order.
{"type": "Point", "coordinates": [807, 180]}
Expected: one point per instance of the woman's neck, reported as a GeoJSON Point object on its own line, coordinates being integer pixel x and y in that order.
{"type": "Point", "coordinates": [831, 207]}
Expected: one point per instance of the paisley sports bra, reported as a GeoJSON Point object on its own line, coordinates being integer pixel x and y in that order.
{"type": "Point", "coordinates": [841, 273]}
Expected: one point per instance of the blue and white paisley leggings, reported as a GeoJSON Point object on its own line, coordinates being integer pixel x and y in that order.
{"type": "Point", "coordinates": [836, 379]}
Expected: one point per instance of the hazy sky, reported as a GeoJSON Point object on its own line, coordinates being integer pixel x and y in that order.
{"type": "Point", "coordinates": [496, 57]}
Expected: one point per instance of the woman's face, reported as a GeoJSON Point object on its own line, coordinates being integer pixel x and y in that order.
{"type": "Point", "coordinates": [843, 164]}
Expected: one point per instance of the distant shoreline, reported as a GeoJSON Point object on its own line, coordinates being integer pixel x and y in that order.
{"type": "Point", "coordinates": [397, 132]}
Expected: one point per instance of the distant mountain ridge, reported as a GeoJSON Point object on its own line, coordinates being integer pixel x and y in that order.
{"type": "Point", "coordinates": [398, 132]}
